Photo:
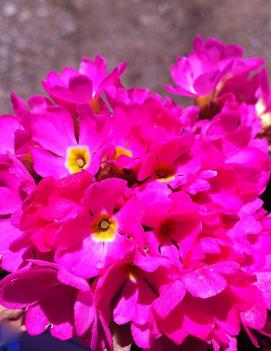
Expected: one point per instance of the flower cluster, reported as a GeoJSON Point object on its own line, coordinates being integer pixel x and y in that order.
{"type": "Point", "coordinates": [126, 218]}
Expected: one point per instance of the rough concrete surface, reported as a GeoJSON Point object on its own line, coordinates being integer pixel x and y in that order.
{"type": "Point", "coordinates": [40, 35]}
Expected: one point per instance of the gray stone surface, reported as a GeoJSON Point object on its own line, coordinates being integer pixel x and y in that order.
{"type": "Point", "coordinates": [40, 35]}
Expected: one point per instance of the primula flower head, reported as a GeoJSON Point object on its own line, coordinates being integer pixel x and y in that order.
{"type": "Point", "coordinates": [214, 72]}
{"type": "Point", "coordinates": [126, 219]}
{"type": "Point", "coordinates": [60, 144]}
{"type": "Point", "coordinates": [84, 86]}
{"type": "Point", "coordinates": [49, 296]}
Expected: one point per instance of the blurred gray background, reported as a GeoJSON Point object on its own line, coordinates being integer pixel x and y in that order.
{"type": "Point", "coordinates": [40, 35]}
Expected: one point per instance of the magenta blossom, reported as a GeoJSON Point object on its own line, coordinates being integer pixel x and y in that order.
{"type": "Point", "coordinates": [213, 307]}
{"type": "Point", "coordinates": [16, 185]}
{"type": "Point", "coordinates": [104, 215]}
{"type": "Point", "coordinates": [137, 283]}
{"type": "Point", "coordinates": [126, 219]}
{"type": "Point", "coordinates": [113, 227]}
{"type": "Point", "coordinates": [173, 221]}
{"type": "Point", "coordinates": [214, 73]}
{"type": "Point", "coordinates": [48, 294]}
{"type": "Point", "coordinates": [84, 86]}
{"type": "Point", "coordinates": [58, 149]}
{"type": "Point", "coordinates": [211, 68]}
{"type": "Point", "coordinates": [52, 210]}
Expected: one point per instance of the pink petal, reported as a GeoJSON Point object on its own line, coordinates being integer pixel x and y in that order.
{"type": "Point", "coordinates": [204, 283]}
{"type": "Point", "coordinates": [70, 279]}
{"type": "Point", "coordinates": [46, 164]}
{"type": "Point", "coordinates": [125, 309]}
{"type": "Point", "coordinates": [53, 131]}
{"type": "Point", "coordinates": [8, 127]}
{"type": "Point", "coordinates": [36, 321]}
{"type": "Point", "coordinates": [13, 246]}
{"type": "Point", "coordinates": [264, 285]}
{"type": "Point", "coordinates": [105, 195]}
{"type": "Point", "coordinates": [141, 335]}
{"type": "Point", "coordinates": [26, 286]}
{"type": "Point", "coordinates": [255, 317]}
{"type": "Point", "coordinates": [84, 312]}
{"type": "Point", "coordinates": [58, 307]}
{"type": "Point", "coordinates": [81, 89]}
{"type": "Point", "coordinates": [11, 199]}
{"type": "Point", "coordinates": [170, 297]}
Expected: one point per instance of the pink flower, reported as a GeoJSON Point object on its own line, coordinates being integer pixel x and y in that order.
{"type": "Point", "coordinates": [121, 96]}
{"type": "Point", "coordinates": [251, 236]}
{"type": "Point", "coordinates": [136, 127]}
{"type": "Point", "coordinates": [50, 213]}
{"type": "Point", "coordinates": [240, 161]}
{"type": "Point", "coordinates": [58, 149]}
{"type": "Point", "coordinates": [9, 127]}
{"type": "Point", "coordinates": [137, 282]}
{"type": "Point", "coordinates": [205, 67]}
{"type": "Point", "coordinates": [106, 221]}
{"type": "Point", "coordinates": [164, 163]}
{"type": "Point", "coordinates": [172, 221]}
{"type": "Point", "coordinates": [89, 323]}
{"type": "Point", "coordinates": [214, 71]}
{"type": "Point", "coordinates": [209, 63]}
{"type": "Point", "coordinates": [124, 214]}
{"type": "Point", "coordinates": [84, 86]}
{"type": "Point", "coordinates": [114, 225]}
{"type": "Point", "coordinates": [16, 185]}
{"type": "Point", "coordinates": [214, 306]}
{"type": "Point", "coordinates": [48, 293]}
{"type": "Point", "coordinates": [22, 133]}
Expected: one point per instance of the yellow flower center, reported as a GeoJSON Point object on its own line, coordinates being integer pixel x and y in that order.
{"type": "Point", "coordinates": [105, 228]}
{"type": "Point", "coordinates": [78, 158]}
{"type": "Point", "coordinates": [121, 151]}
{"type": "Point", "coordinates": [104, 225]}
{"type": "Point", "coordinates": [164, 173]}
